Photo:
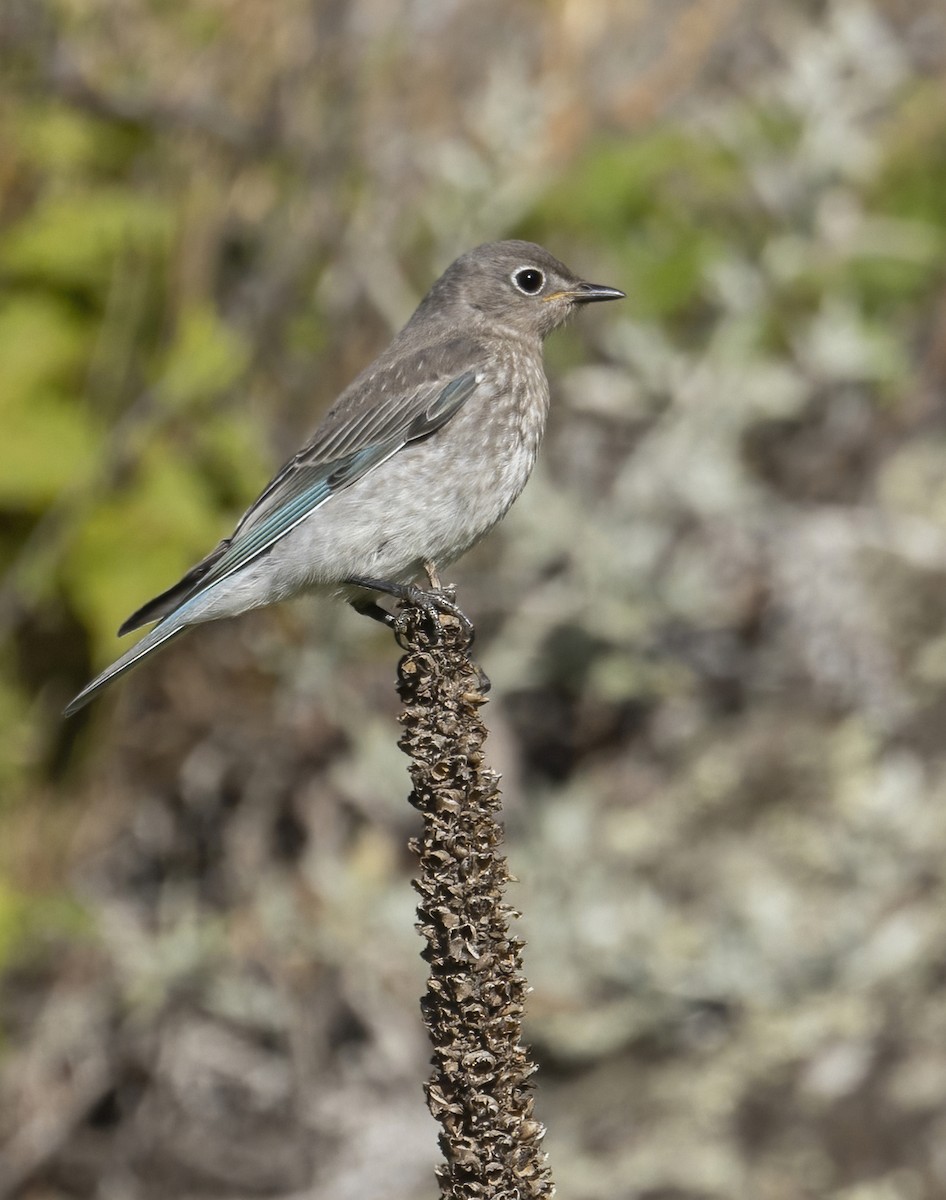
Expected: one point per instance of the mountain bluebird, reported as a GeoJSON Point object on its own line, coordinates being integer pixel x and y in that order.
{"type": "Point", "coordinates": [415, 461]}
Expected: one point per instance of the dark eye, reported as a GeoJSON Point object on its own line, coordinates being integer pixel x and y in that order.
{"type": "Point", "coordinates": [529, 280]}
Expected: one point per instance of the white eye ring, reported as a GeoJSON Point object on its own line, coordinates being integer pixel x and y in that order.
{"type": "Point", "coordinates": [530, 286]}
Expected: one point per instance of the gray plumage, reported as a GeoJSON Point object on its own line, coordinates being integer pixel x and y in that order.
{"type": "Point", "coordinates": [417, 459]}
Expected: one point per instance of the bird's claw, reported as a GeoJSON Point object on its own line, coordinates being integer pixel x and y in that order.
{"type": "Point", "coordinates": [435, 601]}
{"type": "Point", "coordinates": [442, 601]}
{"type": "Point", "coordinates": [483, 681]}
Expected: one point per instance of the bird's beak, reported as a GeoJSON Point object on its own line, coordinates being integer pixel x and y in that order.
{"type": "Point", "coordinates": [586, 293]}
{"type": "Point", "coordinates": [589, 293]}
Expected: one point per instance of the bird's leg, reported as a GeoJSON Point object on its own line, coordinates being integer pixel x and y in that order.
{"type": "Point", "coordinates": [370, 608]}
{"type": "Point", "coordinates": [434, 600]}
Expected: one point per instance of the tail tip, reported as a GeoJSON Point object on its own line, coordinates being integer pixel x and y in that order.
{"type": "Point", "coordinates": [77, 702]}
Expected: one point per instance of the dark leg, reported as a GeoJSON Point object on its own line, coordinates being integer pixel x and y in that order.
{"type": "Point", "coordinates": [434, 600]}
{"type": "Point", "coordinates": [369, 608]}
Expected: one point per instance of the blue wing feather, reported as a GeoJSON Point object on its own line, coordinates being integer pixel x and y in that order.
{"type": "Point", "coordinates": [297, 493]}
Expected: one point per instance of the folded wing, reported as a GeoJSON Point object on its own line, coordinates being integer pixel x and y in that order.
{"type": "Point", "coordinates": [353, 440]}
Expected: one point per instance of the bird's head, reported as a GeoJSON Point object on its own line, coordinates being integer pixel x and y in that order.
{"type": "Point", "coordinates": [514, 284]}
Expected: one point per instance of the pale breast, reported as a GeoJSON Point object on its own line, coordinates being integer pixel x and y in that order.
{"type": "Point", "coordinates": [433, 499]}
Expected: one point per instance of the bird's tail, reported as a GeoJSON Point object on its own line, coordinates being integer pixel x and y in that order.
{"type": "Point", "coordinates": [170, 627]}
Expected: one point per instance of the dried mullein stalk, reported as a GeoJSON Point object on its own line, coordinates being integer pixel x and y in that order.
{"type": "Point", "coordinates": [479, 1090]}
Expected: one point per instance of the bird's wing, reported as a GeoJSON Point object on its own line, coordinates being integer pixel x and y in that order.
{"type": "Point", "coordinates": [334, 459]}
{"type": "Point", "coordinates": [353, 439]}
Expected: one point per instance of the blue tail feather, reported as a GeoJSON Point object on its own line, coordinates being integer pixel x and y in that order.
{"type": "Point", "coordinates": [161, 634]}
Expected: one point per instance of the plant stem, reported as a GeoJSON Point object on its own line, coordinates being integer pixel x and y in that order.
{"type": "Point", "coordinates": [480, 1090]}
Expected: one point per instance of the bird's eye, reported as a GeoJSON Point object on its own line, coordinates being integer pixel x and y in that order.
{"type": "Point", "coordinates": [529, 280]}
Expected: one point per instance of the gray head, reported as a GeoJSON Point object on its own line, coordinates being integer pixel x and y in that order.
{"type": "Point", "coordinates": [512, 283]}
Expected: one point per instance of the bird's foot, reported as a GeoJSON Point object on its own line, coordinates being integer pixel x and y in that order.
{"type": "Point", "coordinates": [441, 602]}
{"type": "Point", "coordinates": [435, 600]}
{"type": "Point", "coordinates": [483, 681]}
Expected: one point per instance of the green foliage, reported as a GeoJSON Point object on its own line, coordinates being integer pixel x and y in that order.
{"type": "Point", "coordinates": [231, 458]}
{"type": "Point", "coordinates": [909, 253]}
{"type": "Point", "coordinates": [662, 201]}
{"type": "Point", "coordinates": [16, 733]}
{"type": "Point", "coordinates": [205, 358]}
{"type": "Point", "coordinates": [51, 442]}
{"type": "Point", "coordinates": [86, 256]}
{"type": "Point", "coordinates": [912, 181]}
{"type": "Point", "coordinates": [72, 238]}
{"type": "Point", "coordinates": [663, 173]}
{"type": "Point", "coordinates": [673, 203]}
{"type": "Point", "coordinates": [28, 920]}
{"type": "Point", "coordinates": [67, 145]}
{"type": "Point", "coordinates": [136, 542]}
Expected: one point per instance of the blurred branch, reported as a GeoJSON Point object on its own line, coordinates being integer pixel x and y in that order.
{"type": "Point", "coordinates": [28, 35]}
{"type": "Point", "coordinates": [479, 1091]}
{"type": "Point", "coordinates": [30, 39]}
{"type": "Point", "coordinates": [63, 78]}
{"type": "Point", "coordinates": [57, 1101]}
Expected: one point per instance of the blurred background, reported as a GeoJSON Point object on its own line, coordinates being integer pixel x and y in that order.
{"type": "Point", "coordinates": [715, 622]}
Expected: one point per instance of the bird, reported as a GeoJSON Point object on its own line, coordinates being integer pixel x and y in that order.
{"type": "Point", "coordinates": [418, 458]}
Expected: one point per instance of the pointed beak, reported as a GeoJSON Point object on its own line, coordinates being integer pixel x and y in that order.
{"type": "Point", "coordinates": [589, 293]}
